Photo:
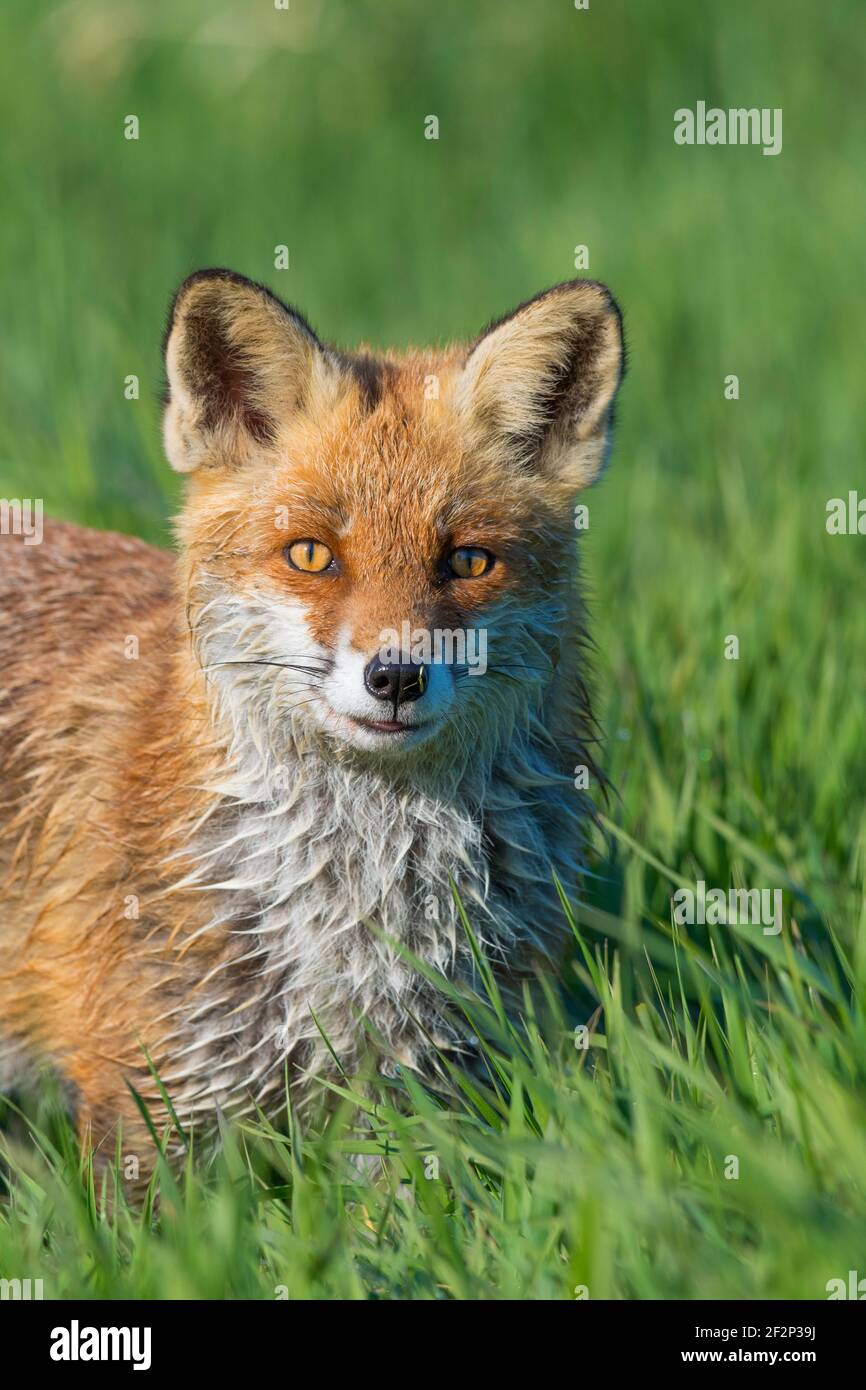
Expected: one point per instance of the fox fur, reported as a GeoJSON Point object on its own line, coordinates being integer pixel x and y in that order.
{"type": "Point", "coordinates": [204, 860]}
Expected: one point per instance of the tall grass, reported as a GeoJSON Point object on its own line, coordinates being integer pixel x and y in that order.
{"type": "Point", "coordinates": [702, 1137]}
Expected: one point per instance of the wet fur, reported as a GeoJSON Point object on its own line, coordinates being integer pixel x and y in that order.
{"type": "Point", "coordinates": [190, 863]}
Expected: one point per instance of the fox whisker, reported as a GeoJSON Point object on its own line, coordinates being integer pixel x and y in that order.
{"type": "Point", "coordinates": [283, 665]}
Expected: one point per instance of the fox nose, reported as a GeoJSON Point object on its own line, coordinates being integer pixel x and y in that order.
{"type": "Point", "coordinates": [397, 682]}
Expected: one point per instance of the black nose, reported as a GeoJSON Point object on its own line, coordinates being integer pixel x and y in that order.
{"type": "Point", "coordinates": [394, 681]}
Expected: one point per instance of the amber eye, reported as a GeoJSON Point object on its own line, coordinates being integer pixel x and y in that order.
{"type": "Point", "coordinates": [310, 556]}
{"type": "Point", "coordinates": [469, 562]}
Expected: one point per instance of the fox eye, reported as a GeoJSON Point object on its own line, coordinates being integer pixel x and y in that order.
{"type": "Point", "coordinates": [470, 562]}
{"type": "Point", "coordinates": [310, 556]}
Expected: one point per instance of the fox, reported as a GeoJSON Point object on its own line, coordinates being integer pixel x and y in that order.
{"type": "Point", "coordinates": [234, 820]}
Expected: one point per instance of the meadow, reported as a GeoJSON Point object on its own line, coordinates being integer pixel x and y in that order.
{"type": "Point", "coordinates": [706, 1137]}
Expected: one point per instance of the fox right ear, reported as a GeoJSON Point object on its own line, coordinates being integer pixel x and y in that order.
{"type": "Point", "coordinates": [238, 363]}
{"type": "Point", "coordinates": [537, 388]}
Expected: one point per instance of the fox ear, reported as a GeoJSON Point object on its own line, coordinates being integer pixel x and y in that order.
{"type": "Point", "coordinates": [537, 387]}
{"type": "Point", "coordinates": [238, 362]}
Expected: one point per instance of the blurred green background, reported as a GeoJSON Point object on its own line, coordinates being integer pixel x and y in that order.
{"type": "Point", "coordinates": [305, 127]}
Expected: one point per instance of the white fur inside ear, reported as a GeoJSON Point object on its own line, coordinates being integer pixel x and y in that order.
{"type": "Point", "coordinates": [238, 364]}
{"type": "Point", "coordinates": [184, 444]}
{"type": "Point", "coordinates": [179, 446]}
{"type": "Point", "coordinates": [537, 388]}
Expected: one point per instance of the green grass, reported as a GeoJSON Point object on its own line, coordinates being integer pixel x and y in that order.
{"type": "Point", "coordinates": [604, 1167]}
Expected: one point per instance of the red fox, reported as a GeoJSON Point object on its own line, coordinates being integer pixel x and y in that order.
{"type": "Point", "coordinates": [226, 803]}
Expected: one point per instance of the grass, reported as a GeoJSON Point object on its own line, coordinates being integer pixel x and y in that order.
{"type": "Point", "coordinates": [602, 1167]}
{"type": "Point", "coordinates": [707, 1142]}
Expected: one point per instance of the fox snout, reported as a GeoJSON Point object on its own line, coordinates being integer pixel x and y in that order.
{"type": "Point", "coordinates": [385, 698]}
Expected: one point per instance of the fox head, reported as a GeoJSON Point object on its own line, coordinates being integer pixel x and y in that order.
{"type": "Point", "coordinates": [379, 551]}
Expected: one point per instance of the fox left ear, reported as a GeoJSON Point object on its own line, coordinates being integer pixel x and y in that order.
{"type": "Point", "coordinates": [238, 362]}
{"type": "Point", "coordinates": [537, 388]}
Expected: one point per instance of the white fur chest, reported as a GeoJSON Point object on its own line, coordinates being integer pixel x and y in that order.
{"type": "Point", "coordinates": [319, 880]}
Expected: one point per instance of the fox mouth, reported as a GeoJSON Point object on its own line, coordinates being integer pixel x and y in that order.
{"type": "Point", "coordinates": [390, 728]}
{"type": "Point", "coordinates": [382, 726]}
{"type": "Point", "coordinates": [396, 733]}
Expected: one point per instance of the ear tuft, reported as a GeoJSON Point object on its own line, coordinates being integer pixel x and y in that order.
{"type": "Point", "coordinates": [238, 361]}
{"type": "Point", "coordinates": [537, 388]}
